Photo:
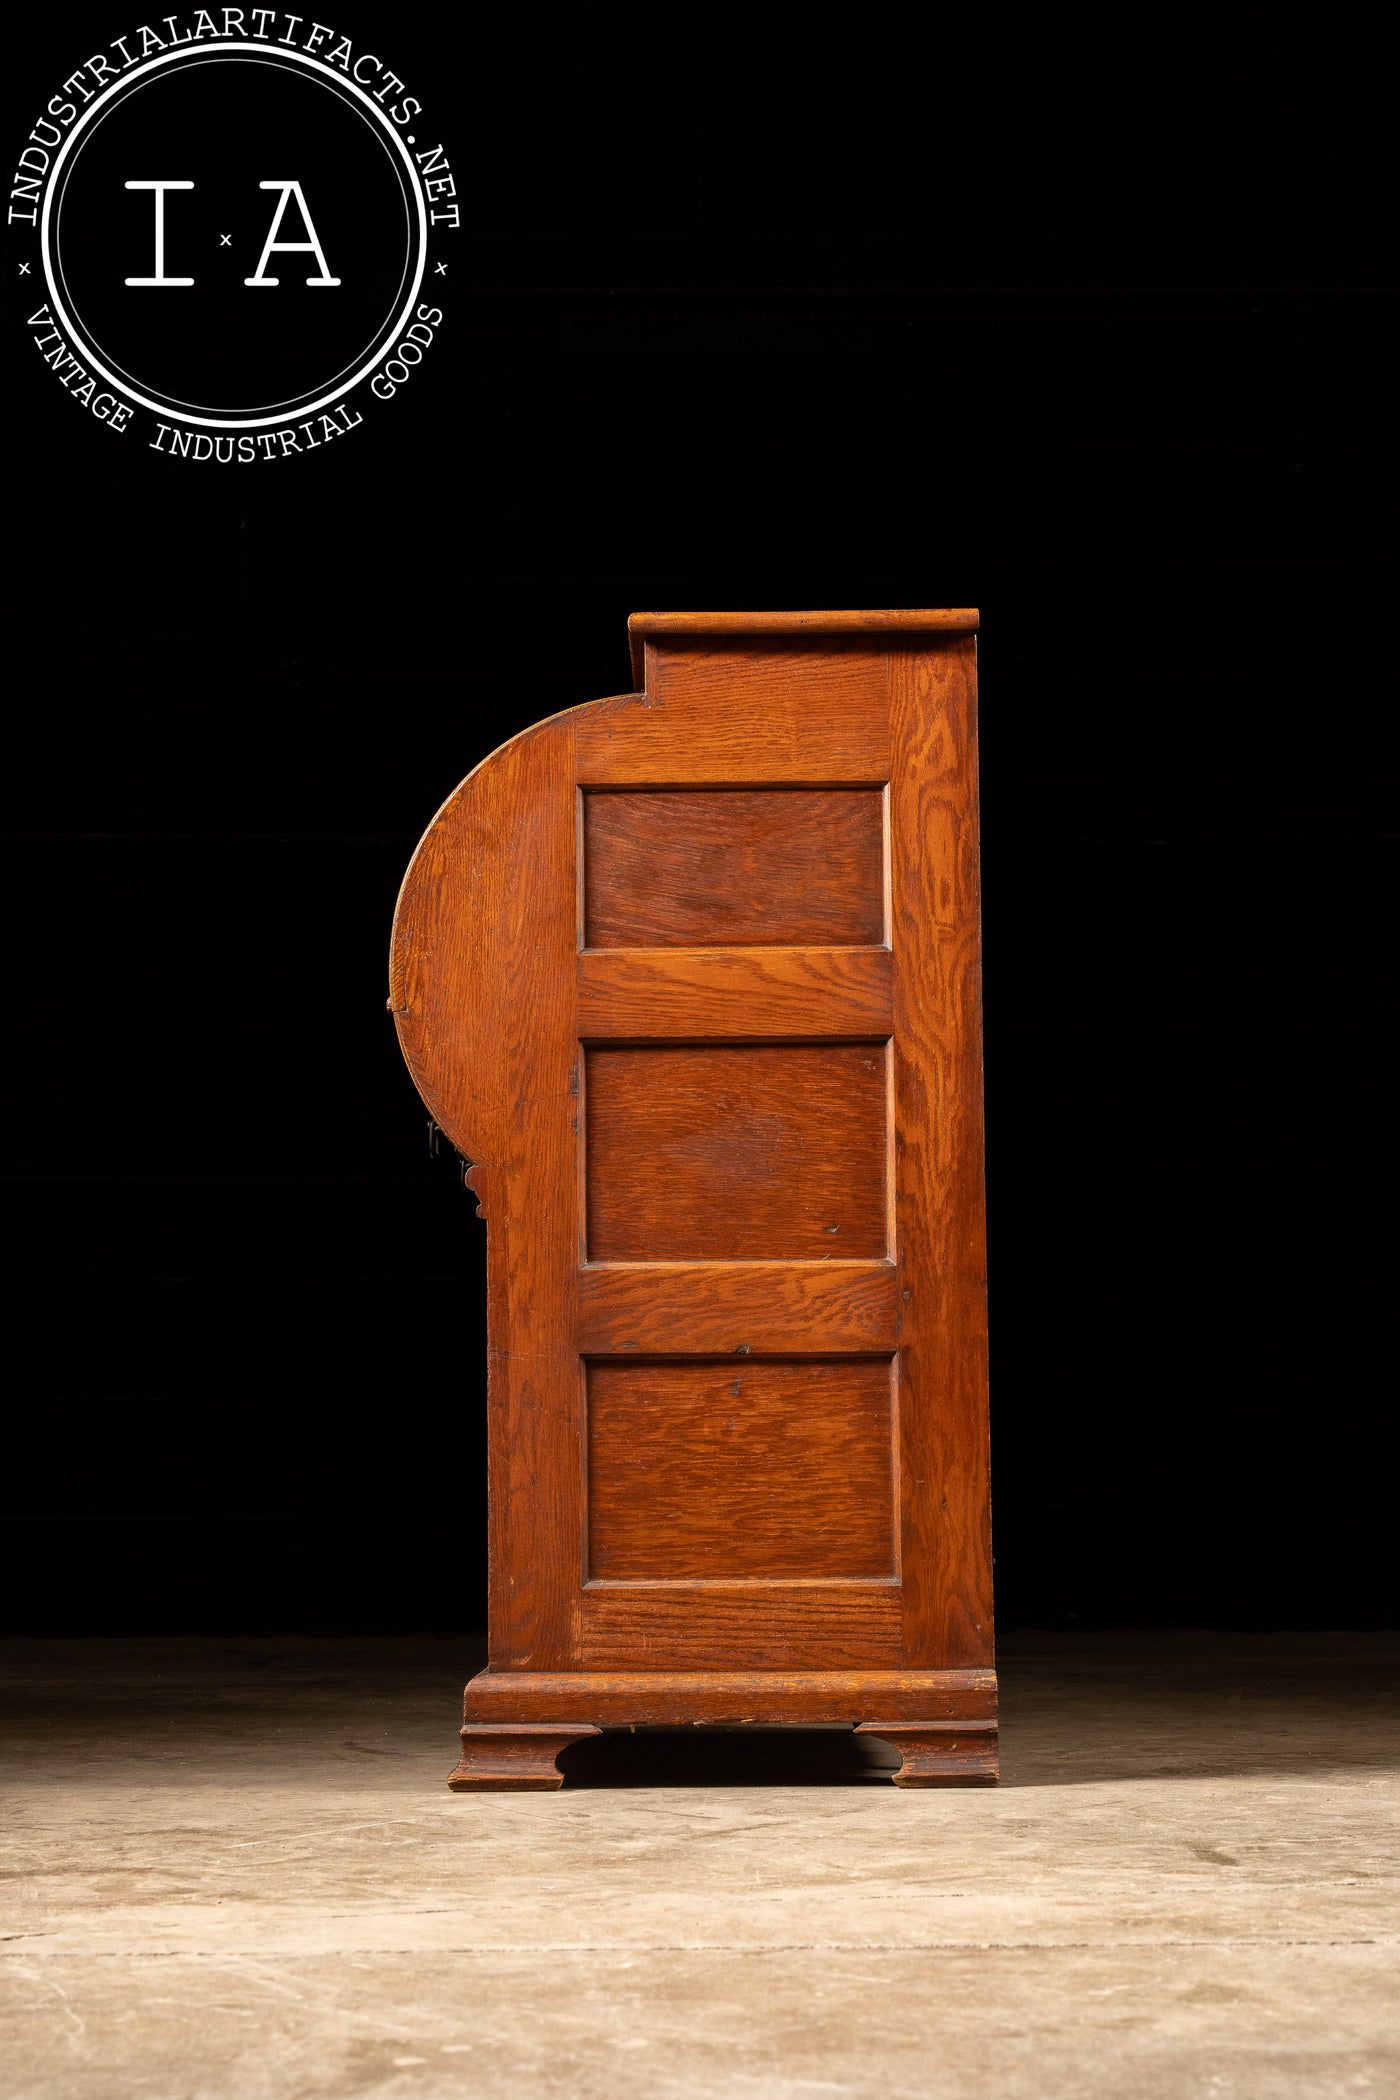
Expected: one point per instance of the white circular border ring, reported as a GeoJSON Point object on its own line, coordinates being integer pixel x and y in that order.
{"type": "Point", "coordinates": [163, 409]}
{"type": "Point", "coordinates": [384, 336]}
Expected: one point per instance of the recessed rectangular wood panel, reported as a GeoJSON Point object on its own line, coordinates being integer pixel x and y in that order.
{"type": "Point", "coordinates": [734, 1152]}
{"type": "Point", "coordinates": [697, 868]}
{"type": "Point", "coordinates": [740, 1469]}
{"type": "Point", "coordinates": [722, 1308]}
{"type": "Point", "coordinates": [734, 992]}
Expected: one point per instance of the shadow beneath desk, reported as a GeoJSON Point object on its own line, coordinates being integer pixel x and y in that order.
{"type": "Point", "coordinates": [748, 1757]}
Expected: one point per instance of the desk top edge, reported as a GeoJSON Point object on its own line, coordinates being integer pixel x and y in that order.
{"type": "Point", "coordinates": [943, 620]}
{"type": "Point", "coordinates": [644, 627]}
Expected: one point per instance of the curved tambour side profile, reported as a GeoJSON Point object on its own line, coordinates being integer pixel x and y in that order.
{"type": "Point", "coordinates": [691, 977]}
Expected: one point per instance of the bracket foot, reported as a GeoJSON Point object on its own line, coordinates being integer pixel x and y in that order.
{"type": "Point", "coordinates": [501, 1757]}
{"type": "Point", "coordinates": [940, 1753]}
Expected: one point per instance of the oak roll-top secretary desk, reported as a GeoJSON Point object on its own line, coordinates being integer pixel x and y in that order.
{"type": "Point", "coordinates": [691, 977]}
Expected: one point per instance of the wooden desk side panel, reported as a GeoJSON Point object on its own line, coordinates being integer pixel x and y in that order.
{"type": "Point", "coordinates": [486, 986]}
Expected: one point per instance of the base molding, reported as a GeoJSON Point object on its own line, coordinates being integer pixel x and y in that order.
{"type": "Point", "coordinates": [498, 1757]}
{"type": "Point", "coordinates": [940, 1753]}
{"type": "Point", "coordinates": [618, 1698]}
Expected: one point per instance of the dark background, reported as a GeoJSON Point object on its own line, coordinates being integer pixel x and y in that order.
{"type": "Point", "coordinates": [1092, 337]}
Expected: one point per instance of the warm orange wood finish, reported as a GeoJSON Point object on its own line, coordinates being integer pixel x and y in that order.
{"type": "Point", "coordinates": [754, 1308]}
{"type": "Point", "coordinates": [691, 976]}
{"type": "Point", "coordinates": [936, 1753]}
{"type": "Point", "coordinates": [708, 1152]}
{"type": "Point", "coordinates": [736, 993]}
{"type": "Point", "coordinates": [691, 1469]}
{"type": "Point", "coordinates": [501, 1758]}
{"type": "Point", "coordinates": [733, 1696]}
{"type": "Point", "coordinates": [796, 867]}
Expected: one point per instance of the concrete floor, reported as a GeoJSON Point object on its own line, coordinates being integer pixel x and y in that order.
{"type": "Point", "coordinates": [236, 1872]}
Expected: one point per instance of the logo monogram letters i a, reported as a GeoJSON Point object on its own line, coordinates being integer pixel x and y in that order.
{"type": "Point", "coordinates": [271, 246]}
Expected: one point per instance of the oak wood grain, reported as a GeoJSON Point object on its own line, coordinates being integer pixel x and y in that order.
{"type": "Point", "coordinates": [734, 994]}
{"type": "Point", "coordinates": [727, 1695]}
{"type": "Point", "coordinates": [737, 1309]}
{"type": "Point", "coordinates": [662, 1138]}
{"type": "Point", "coordinates": [939, 1184]}
{"type": "Point", "coordinates": [753, 1625]}
{"type": "Point", "coordinates": [505, 1758]}
{"type": "Point", "coordinates": [500, 1076]}
{"type": "Point", "coordinates": [717, 1152]}
{"type": "Point", "coordinates": [941, 1753]}
{"type": "Point", "coordinates": [726, 715]}
{"type": "Point", "coordinates": [740, 1468]}
{"type": "Point", "coordinates": [532, 1240]}
{"type": "Point", "coordinates": [654, 625]}
{"type": "Point", "coordinates": [734, 868]}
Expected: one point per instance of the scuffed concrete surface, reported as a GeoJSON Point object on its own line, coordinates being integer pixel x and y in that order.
{"type": "Point", "coordinates": [233, 1872]}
